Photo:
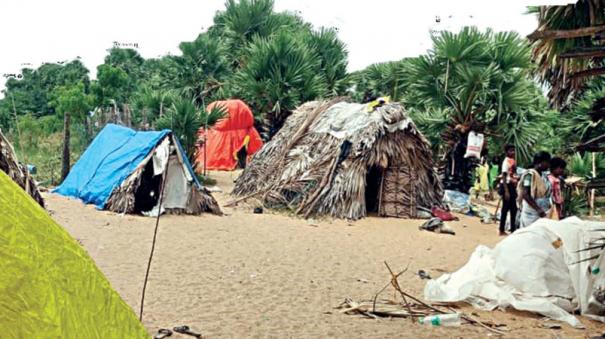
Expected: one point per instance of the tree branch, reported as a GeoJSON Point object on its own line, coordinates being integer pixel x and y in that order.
{"type": "Point", "coordinates": [588, 73]}
{"type": "Point", "coordinates": [584, 53]}
{"type": "Point", "coordinates": [565, 34]}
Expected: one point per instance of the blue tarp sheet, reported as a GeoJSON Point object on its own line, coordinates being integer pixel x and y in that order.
{"type": "Point", "coordinates": [112, 156]}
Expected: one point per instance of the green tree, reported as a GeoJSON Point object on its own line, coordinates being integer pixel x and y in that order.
{"type": "Point", "coordinates": [151, 104]}
{"type": "Point", "coordinates": [244, 20]}
{"type": "Point", "coordinates": [383, 79]}
{"type": "Point", "coordinates": [111, 87]}
{"type": "Point", "coordinates": [185, 120]}
{"type": "Point", "coordinates": [477, 81]}
{"type": "Point", "coordinates": [202, 69]}
{"type": "Point", "coordinates": [333, 59]}
{"type": "Point", "coordinates": [31, 93]}
{"type": "Point", "coordinates": [70, 100]}
{"type": "Point", "coordinates": [280, 74]}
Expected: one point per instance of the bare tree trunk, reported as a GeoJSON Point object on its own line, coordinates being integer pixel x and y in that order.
{"type": "Point", "coordinates": [144, 120]}
{"type": "Point", "coordinates": [127, 118]}
{"type": "Point", "coordinates": [88, 127]}
{"type": "Point", "coordinates": [66, 138]}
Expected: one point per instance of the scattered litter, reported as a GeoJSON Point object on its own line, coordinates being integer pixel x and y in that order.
{"type": "Point", "coordinates": [551, 326]}
{"type": "Point", "coordinates": [436, 225]}
{"type": "Point", "coordinates": [163, 333]}
{"type": "Point", "coordinates": [214, 189]}
{"type": "Point", "coordinates": [409, 307]}
{"type": "Point", "coordinates": [474, 145]}
{"type": "Point", "coordinates": [258, 210]}
{"type": "Point", "coordinates": [312, 222]}
{"type": "Point", "coordinates": [154, 212]}
{"type": "Point", "coordinates": [423, 275]}
{"type": "Point", "coordinates": [556, 256]}
{"type": "Point", "coordinates": [457, 202]}
{"type": "Point", "coordinates": [188, 331]}
{"type": "Point", "coordinates": [443, 214]}
{"type": "Point", "coordinates": [365, 281]}
{"type": "Point", "coordinates": [421, 214]}
{"type": "Point", "coordinates": [452, 319]}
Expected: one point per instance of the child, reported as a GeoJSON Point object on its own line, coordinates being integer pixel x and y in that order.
{"type": "Point", "coordinates": [557, 169]}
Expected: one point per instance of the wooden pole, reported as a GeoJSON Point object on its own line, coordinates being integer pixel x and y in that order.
{"type": "Point", "coordinates": [566, 34]}
{"type": "Point", "coordinates": [592, 191]}
{"type": "Point", "coordinates": [18, 129]}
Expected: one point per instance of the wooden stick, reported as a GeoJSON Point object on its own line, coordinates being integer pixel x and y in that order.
{"type": "Point", "coordinates": [395, 284]}
{"type": "Point", "coordinates": [583, 53]}
{"type": "Point", "coordinates": [387, 285]}
{"type": "Point", "coordinates": [565, 34]}
{"type": "Point", "coordinates": [588, 72]}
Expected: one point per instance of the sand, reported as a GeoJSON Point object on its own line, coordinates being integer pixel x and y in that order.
{"type": "Point", "coordinates": [275, 276]}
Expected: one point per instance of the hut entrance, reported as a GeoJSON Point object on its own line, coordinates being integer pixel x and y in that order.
{"type": "Point", "coordinates": [373, 183]}
{"type": "Point", "coordinates": [398, 193]}
{"type": "Point", "coordinates": [148, 192]}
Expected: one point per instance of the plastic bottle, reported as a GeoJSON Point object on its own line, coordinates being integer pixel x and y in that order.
{"type": "Point", "coordinates": [452, 319]}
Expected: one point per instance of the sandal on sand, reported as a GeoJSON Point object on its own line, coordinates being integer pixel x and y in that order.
{"type": "Point", "coordinates": [163, 333]}
{"type": "Point", "coordinates": [186, 330]}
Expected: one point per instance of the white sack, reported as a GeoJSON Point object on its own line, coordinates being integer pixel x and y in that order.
{"type": "Point", "coordinates": [534, 269]}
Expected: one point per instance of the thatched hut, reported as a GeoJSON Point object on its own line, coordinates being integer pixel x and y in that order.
{"type": "Point", "coordinates": [344, 160]}
{"type": "Point", "coordinates": [17, 171]}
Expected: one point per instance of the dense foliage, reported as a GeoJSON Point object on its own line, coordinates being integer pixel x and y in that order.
{"type": "Point", "coordinates": [468, 80]}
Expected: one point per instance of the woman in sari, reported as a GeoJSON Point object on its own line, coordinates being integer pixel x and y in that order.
{"type": "Point", "coordinates": [535, 190]}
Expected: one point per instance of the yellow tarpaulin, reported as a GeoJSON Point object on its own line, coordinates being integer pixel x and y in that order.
{"type": "Point", "coordinates": [49, 286]}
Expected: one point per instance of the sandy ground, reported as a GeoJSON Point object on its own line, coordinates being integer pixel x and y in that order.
{"type": "Point", "coordinates": [274, 276]}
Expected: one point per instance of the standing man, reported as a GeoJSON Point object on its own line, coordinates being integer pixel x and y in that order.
{"type": "Point", "coordinates": [508, 189]}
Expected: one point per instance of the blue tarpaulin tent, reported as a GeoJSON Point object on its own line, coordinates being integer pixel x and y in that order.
{"type": "Point", "coordinates": [113, 156]}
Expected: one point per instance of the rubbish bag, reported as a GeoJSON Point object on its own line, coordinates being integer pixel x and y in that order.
{"type": "Point", "coordinates": [457, 202]}
{"type": "Point", "coordinates": [474, 145]}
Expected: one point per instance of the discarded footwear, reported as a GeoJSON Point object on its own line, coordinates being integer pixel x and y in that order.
{"type": "Point", "coordinates": [162, 333]}
{"type": "Point", "coordinates": [423, 275]}
{"type": "Point", "coordinates": [186, 330]}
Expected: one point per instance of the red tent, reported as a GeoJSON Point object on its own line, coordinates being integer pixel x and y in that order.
{"type": "Point", "coordinates": [227, 137]}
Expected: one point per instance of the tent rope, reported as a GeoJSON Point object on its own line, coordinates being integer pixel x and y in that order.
{"type": "Point", "coordinates": [155, 234]}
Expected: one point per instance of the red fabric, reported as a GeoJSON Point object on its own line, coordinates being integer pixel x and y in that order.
{"type": "Point", "coordinates": [227, 136]}
{"type": "Point", "coordinates": [443, 214]}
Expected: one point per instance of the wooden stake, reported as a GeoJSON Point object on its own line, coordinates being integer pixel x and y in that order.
{"type": "Point", "coordinates": [592, 191]}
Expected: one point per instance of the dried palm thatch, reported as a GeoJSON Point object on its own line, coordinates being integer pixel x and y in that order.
{"type": "Point", "coordinates": [16, 171]}
{"type": "Point", "coordinates": [318, 163]}
{"type": "Point", "coordinates": [568, 47]}
{"type": "Point", "coordinates": [199, 199]}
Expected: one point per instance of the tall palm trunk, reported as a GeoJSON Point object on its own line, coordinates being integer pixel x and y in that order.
{"type": "Point", "coordinates": [88, 127]}
{"type": "Point", "coordinates": [66, 138]}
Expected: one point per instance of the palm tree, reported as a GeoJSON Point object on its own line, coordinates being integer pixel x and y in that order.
{"type": "Point", "coordinates": [475, 81]}
{"type": "Point", "coordinates": [564, 49]}
{"type": "Point", "coordinates": [185, 120]}
{"type": "Point", "coordinates": [280, 73]}
{"type": "Point", "coordinates": [333, 60]}
{"type": "Point", "coordinates": [70, 100]}
{"type": "Point", "coordinates": [244, 20]}
{"type": "Point", "coordinates": [382, 79]}
{"type": "Point", "coordinates": [151, 104]}
{"type": "Point", "coordinates": [202, 68]}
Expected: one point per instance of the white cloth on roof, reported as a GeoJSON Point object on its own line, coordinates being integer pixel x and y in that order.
{"type": "Point", "coordinates": [160, 156]}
